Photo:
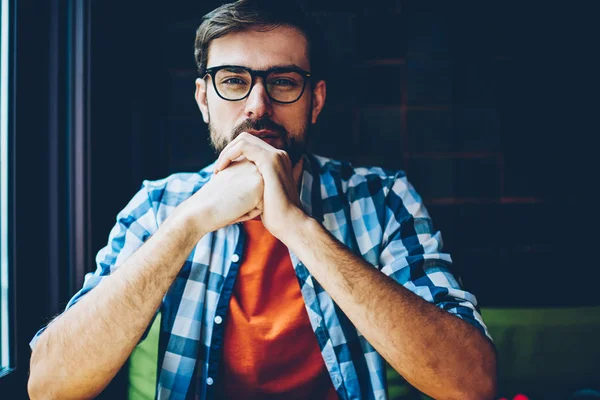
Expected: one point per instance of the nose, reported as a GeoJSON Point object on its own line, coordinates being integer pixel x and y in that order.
{"type": "Point", "coordinates": [258, 103]}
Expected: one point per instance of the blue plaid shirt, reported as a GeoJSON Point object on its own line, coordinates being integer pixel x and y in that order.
{"type": "Point", "coordinates": [375, 212]}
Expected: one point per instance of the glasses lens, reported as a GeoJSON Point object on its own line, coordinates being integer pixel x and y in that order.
{"type": "Point", "coordinates": [285, 86]}
{"type": "Point", "coordinates": [233, 83]}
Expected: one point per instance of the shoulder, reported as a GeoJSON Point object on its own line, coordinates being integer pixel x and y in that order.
{"type": "Point", "coordinates": [369, 180]}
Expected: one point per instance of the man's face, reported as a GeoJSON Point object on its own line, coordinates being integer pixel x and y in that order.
{"type": "Point", "coordinates": [284, 126]}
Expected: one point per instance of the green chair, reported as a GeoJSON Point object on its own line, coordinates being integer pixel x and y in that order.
{"type": "Point", "coordinates": [142, 365]}
{"type": "Point", "coordinates": [547, 353]}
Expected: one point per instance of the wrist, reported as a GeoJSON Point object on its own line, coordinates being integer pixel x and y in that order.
{"type": "Point", "coordinates": [193, 219]}
{"type": "Point", "coordinates": [295, 224]}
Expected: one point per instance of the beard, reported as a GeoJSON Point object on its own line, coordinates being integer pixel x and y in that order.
{"type": "Point", "coordinates": [294, 145]}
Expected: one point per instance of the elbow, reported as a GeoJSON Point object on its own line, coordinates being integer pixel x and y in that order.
{"type": "Point", "coordinates": [485, 379]}
{"type": "Point", "coordinates": [490, 374]}
{"type": "Point", "coordinates": [34, 389]}
{"type": "Point", "coordinates": [486, 390]}
{"type": "Point", "coordinates": [489, 387]}
{"type": "Point", "coordinates": [35, 386]}
{"type": "Point", "coordinates": [39, 386]}
{"type": "Point", "coordinates": [480, 383]}
{"type": "Point", "coordinates": [47, 381]}
{"type": "Point", "coordinates": [484, 383]}
{"type": "Point", "coordinates": [480, 389]}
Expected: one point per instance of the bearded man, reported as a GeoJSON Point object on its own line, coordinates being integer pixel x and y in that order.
{"type": "Point", "coordinates": [279, 274]}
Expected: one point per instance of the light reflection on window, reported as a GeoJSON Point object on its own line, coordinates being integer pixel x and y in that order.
{"type": "Point", "coordinates": [4, 112]}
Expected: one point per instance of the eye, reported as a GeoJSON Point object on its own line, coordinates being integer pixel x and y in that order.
{"type": "Point", "coordinates": [234, 81]}
{"type": "Point", "coordinates": [284, 82]}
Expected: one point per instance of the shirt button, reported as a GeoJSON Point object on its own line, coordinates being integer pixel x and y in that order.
{"type": "Point", "coordinates": [235, 258]}
{"type": "Point", "coordinates": [218, 319]}
{"type": "Point", "coordinates": [209, 381]}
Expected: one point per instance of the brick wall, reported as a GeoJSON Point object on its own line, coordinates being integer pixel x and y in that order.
{"type": "Point", "coordinates": [460, 96]}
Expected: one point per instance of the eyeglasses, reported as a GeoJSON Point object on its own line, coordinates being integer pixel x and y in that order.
{"type": "Point", "coordinates": [283, 84]}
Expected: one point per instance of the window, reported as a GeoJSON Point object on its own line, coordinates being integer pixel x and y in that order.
{"type": "Point", "coordinates": [5, 345]}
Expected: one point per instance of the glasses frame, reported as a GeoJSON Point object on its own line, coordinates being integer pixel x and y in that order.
{"type": "Point", "coordinates": [212, 71]}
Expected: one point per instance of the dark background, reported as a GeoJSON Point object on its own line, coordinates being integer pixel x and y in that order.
{"type": "Point", "coordinates": [481, 105]}
{"type": "Point", "coordinates": [489, 108]}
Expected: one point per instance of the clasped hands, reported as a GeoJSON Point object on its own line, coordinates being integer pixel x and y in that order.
{"type": "Point", "coordinates": [251, 178]}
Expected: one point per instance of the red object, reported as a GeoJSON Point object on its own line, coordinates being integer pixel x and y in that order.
{"type": "Point", "coordinates": [520, 397]}
{"type": "Point", "coordinates": [270, 349]}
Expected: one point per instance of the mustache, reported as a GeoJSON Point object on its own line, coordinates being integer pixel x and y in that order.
{"type": "Point", "coordinates": [260, 124]}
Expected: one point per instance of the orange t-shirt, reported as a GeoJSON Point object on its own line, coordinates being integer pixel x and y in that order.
{"type": "Point", "coordinates": [270, 350]}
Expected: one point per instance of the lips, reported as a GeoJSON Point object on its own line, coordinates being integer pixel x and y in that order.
{"type": "Point", "coordinates": [270, 137]}
{"type": "Point", "coordinates": [264, 134]}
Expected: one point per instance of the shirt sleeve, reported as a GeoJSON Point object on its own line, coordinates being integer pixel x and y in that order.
{"type": "Point", "coordinates": [412, 255]}
{"type": "Point", "coordinates": [135, 224]}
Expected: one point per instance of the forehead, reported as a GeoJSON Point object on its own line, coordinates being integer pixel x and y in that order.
{"type": "Point", "coordinates": [260, 50]}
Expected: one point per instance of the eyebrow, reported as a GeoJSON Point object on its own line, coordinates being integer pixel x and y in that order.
{"type": "Point", "coordinates": [286, 66]}
{"type": "Point", "coordinates": [278, 66]}
{"type": "Point", "coordinates": [233, 68]}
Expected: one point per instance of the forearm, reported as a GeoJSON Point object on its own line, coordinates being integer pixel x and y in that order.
{"type": "Point", "coordinates": [82, 350]}
{"type": "Point", "coordinates": [438, 353]}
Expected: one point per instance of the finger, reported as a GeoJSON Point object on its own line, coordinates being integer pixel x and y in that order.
{"type": "Point", "coordinates": [242, 136]}
{"type": "Point", "coordinates": [227, 156]}
{"type": "Point", "coordinates": [217, 170]}
{"type": "Point", "coordinates": [249, 215]}
{"type": "Point", "coordinates": [251, 151]}
{"type": "Point", "coordinates": [223, 160]}
{"type": "Point", "coordinates": [245, 136]}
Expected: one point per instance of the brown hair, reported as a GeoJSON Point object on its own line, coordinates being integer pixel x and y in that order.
{"type": "Point", "coordinates": [260, 15]}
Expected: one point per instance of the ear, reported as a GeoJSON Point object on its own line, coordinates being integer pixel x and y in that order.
{"type": "Point", "coordinates": [318, 99]}
{"type": "Point", "coordinates": [200, 96]}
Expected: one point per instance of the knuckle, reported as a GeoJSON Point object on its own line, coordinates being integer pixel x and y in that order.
{"type": "Point", "coordinates": [258, 182]}
{"type": "Point", "coordinates": [280, 155]}
{"type": "Point", "coordinates": [283, 157]}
